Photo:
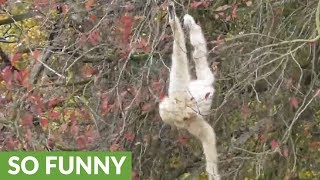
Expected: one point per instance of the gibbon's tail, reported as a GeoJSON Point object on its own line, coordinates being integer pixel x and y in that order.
{"type": "Point", "coordinates": [200, 52]}
{"type": "Point", "coordinates": [205, 133]}
{"type": "Point", "coordinates": [179, 74]}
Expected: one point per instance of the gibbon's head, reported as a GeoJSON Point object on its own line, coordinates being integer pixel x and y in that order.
{"type": "Point", "coordinates": [176, 112]}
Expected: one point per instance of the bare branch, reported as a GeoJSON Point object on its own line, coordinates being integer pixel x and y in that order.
{"type": "Point", "coordinates": [19, 17]}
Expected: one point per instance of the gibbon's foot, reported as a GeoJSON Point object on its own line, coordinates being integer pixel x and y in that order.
{"type": "Point", "coordinates": [188, 21]}
{"type": "Point", "coordinates": [213, 177]}
{"type": "Point", "coordinates": [216, 177]}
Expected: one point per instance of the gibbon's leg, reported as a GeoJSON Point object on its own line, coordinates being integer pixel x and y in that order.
{"type": "Point", "coordinates": [179, 75]}
{"type": "Point", "coordinates": [205, 133]}
{"type": "Point", "coordinates": [200, 49]}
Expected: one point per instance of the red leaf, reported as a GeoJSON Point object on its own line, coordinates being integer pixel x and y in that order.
{"type": "Point", "coordinates": [40, 2]}
{"type": "Point", "coordinates": [51, 143]}
{"type": "Point", "coordinates": [289, 83]}
{"type": "Point", "coordinates": [104, 96]}
{"type": "Point", "coordinates": [128, 136]}
{"type": "Point", "coordinates": [90, 135]}
{"type": "Point", "coordinates": [115, 147]}
{"type": "Point", "coordinates": [37, 103]}
{"type": "Point", "coordinates": [63, 127]}
{"type": "Point", "coordinates": [11, 143]}
{"type": "Point", "coordinates": [65, 8]}
{"type": "Point", "coordinates": [27, 119]}
{"type": "Point", "coordinates": [249, 3]}
{"type": "Point", "coordinates": [157, 85]}
{"type": "Point", "coordinates": [28, 136]}
{"type": "Point", "coordinates": [74, 130]}
{"type": "Point", "coordinates": [223, 8]}
{"type": "Point", "coordinates": [205, 4]}
{"type": "Point", "coordinates": [35, 99]}
{"type": "Point", "coordinates": [54, 102]}
{"type": "Point", "coordinates": [315, 144]}
{"type": "Point", "coordinates": [81, 142]}
{"type": "Point", "coordinates": [317, 93]}
{"type": "Point", "coordinates": [146, 107]}
{"type": "Point", "coordinates": [134, 175]}
{"type": "Point", "coordinates": [183, 139]}
{"type": "Point", "coordinates": [36, 54]}
{"type": "Point", "coordinates": [94, 37]}
{"type": "Point", "coordinates": [87, 71]}
{"type": "Point", "coordinates": [312, 43]}
{"type": "Point", "coordinates": [285, 151]}
{"type": "Point", "coordinates": [245, 111]}
{"type": "Point", "coordinates": [83, 39]}
{"type": "Point", "coordinates": [44, 3]}
{"type": "Point", "coordinates": [219, 41]}
{"type": "Point", "coordinates": [73, 119]}
{"type": "Point", "coordinates": [195, 4]}
{"type": "Point", "coordinates": [274, 144]}
{"type": "Point", "coordinates": [54, 114]}
{"type": "Point", "coordinates": [105, 107]}
{"type": "Point", "coordinates": [143, 45]}
{"type": "Point", "coordinates": [147, 139]}
{"type": "Point", "coordinates": [234, 12]}
{"type": "Point", "coordinates": [293, 102]}
{"type": "Point", "coordinates": [2, 2]}
{"type": "Point", "coordinates": [262, 138]}
{"type": "Point", "coordinates": [162, 95]}
{"type": "Point", "coordinates": [16, 57]}
{"type": "Point", "coordinates": [127, 22]}
{"type": "Point", "coordinates": [89, 4]}
{"type": "Point", "coordinates": [93, 17]}
{"type": "Point", "coordinates": [85, 114]}
{"type": "Point", "coordinates": [129, 6]}
{"type": "Point", "coordinates": [23, 77]}
{"type": "Point", "coordinates": [7, 76]}
{"type": "Point", "coordinates": [44, 122]}
{"type": "Point", "coordinates": [131, 89]}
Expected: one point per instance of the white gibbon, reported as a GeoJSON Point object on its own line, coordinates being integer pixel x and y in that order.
{"type": "Point", "coordinates": [189, 100]}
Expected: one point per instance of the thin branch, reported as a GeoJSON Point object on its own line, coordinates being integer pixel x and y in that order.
{"type": "Point", "coordinates": [318, 18]}
{"type": "Point", "coordinates": [4, 57]}
{"type": "Point", "coordinates": [19, 17]}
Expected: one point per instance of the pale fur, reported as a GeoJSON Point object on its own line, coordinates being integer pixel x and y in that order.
{"type": "Point", "coordinates": [189, 100]}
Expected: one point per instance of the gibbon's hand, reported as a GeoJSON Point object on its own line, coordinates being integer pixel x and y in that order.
{"type": "Point", "coordinates": [188, 21]}
{"type": "Point", "coordinates": [171, 12]}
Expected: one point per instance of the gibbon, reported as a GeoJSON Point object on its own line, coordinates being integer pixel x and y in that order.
{"type": "Point", "coordinates": [189, 100]}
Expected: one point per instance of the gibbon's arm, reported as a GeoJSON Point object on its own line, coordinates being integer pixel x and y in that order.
{"type": "Point", "coordinates": [178, 108]}
{"type": "Point", "coordinates": [200, 50]}
{"type": "Point", "coordinates": [198, 126]}
{"type": "Point", "coordinates": [179, 75]}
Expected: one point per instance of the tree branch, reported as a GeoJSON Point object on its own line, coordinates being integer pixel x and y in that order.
{"type": "Point", "coordinates": [4, 57]}
{"type": "Point", "coordinates": [19, 17]}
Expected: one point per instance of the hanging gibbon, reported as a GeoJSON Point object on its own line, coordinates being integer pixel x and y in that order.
{"type": "Point", "coordinates": [188, 101]}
